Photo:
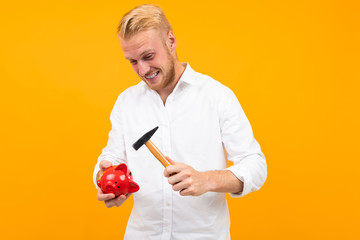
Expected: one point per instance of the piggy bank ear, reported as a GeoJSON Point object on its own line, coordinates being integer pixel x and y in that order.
{"type": "Point", "coordinates": [133, 187]}
{"type": "Point", "coordinates": [122, 167]}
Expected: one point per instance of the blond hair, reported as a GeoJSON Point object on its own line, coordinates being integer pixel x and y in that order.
{"type": "Point", "coordinates": [142, 18]}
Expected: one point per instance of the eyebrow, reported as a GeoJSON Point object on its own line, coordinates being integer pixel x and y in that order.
{"type": "Point", "coordinates": [142, 54]}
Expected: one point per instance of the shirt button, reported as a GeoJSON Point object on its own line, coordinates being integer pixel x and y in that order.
{"type": "Point", "coordinates": [168, 204]}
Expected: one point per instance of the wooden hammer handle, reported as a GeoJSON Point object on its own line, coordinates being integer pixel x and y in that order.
{"type": "Point", "coordinates": [156, 152]}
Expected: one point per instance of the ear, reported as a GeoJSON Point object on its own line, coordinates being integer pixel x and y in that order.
{"type": "Point", "coordinates": [171, 41]}
{"type": "Point", "coordinates": [122, 167]}
{"type": "Point", "coordinates": [133, 187]}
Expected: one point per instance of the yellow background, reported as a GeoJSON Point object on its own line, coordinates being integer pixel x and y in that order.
{"type": "Point", "coordinates": [294, 66]}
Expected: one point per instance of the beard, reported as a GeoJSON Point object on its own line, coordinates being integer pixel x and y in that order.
{"type": "Point", "coordinates": [168, 74]}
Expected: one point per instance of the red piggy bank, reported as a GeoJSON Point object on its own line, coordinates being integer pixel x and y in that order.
{"type": "Point", "coordinates": [117, 180]}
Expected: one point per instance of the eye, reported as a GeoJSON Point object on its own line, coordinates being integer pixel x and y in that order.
{"type": "Point", "coordinates": [132, 62]}
{"type": "Point", "coordinates": [149, 56]}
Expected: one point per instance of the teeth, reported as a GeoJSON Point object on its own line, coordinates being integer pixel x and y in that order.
{"type": "Point", "coordinates": [152, 75]}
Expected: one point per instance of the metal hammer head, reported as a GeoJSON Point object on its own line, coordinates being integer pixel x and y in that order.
{"type": "Point", "coordinates": [144, 139]}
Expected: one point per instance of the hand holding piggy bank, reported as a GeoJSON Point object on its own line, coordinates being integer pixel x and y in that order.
{"type": "Point", "coordinates": [117, 180]}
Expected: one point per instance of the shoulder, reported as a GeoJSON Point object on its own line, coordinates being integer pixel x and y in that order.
{"type": "Point", "coordinates": [128, 98]}
{"type": "Point", "coordinates": [211, 86]}
{"type": "Point", "coordinates": [221, 97]}
{"type": "Point", "coordinates": [131, 93]}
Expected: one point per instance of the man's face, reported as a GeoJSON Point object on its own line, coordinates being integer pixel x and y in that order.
{"type": "Point", "coordinates": [150, 58]}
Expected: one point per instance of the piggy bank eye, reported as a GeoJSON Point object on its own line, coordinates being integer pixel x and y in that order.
{"type": "Point", "coordinates": [130, 173]}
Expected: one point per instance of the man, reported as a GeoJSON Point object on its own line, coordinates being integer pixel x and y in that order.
{"type": "Point", "coordinates": [198, 119]}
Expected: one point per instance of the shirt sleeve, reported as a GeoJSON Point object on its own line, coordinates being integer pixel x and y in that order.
{"type": "Point", "coordinates": [240, 145]}
{"type": "Point", "coordinates": [115, 148]}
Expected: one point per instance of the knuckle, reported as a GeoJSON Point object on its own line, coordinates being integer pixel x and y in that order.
{"type": "Point", "coordinates": [109, 203]}
{"type": "Point", "coordinates": [187, 183]}
{"type": "Point", "coordinates": [118, 202]}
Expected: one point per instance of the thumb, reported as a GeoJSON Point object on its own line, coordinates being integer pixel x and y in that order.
{"type": "Point", "coordinates": [170, 160]}
{"type": "Point", "coordinates": [105, 164]}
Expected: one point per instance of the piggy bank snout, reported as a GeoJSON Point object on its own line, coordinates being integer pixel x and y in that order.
{"type": "Point", "coordinates": [110, 187]}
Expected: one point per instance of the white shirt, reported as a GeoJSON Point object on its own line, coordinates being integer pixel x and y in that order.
{"type": "Point", "coordinates": [199, 116]}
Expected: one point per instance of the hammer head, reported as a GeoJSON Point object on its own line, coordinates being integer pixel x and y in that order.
{"type": "Point", "coordinates": [144, 139]}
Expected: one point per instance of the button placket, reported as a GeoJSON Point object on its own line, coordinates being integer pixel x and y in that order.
{"type": "Point", "coordinates": [167, 220]}
{"type": "Point", "coordinates": [167, 204]}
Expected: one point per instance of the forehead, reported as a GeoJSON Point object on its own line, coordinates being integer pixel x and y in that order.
{"type": "Point", "coordinates": [140, 43]}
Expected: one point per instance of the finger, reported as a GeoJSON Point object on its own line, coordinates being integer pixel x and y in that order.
{"type": "Point", "coordinates": [104, 196]}
{"type": "Point", "coordinates": [175, 178]}
{"type": "Point", "coordinates": [120, 200]}
{"type": "Point", "coordinates": [116, 201]}
{"type": "Point", "coordinates": [181, 185]}
{"type": "Point", "coordinates": [110, 203]}
{"type": "Point", "coordinates": [170, 160]}
{"type": "Point", "coordinates": [187, 191]}
{"type": "Point", "coordinates": [104, 164]}
{"type": "Point", "coordinates": [168, 171]}
{"type": "Point", "coordinates": [173, 169]}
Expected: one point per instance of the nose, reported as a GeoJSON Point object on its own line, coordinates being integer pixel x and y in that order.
{"type": "Point", "coordinates": [143, 68]}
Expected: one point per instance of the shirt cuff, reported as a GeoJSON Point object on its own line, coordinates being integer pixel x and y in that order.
{"type": "Point", "coordinates": [243, 175]}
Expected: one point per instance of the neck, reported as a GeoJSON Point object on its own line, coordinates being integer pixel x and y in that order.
{"type": "Point", "coordinates": [165, 92]}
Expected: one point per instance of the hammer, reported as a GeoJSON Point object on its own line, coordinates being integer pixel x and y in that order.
{"type": "Point", "coordinates": [150, 145]}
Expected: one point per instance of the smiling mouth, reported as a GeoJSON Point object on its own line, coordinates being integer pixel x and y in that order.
{"type": "Point", "coordinates": [150, 77]}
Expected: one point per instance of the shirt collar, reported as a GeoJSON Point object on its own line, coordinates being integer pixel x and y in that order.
{"type": "Point", "coordinates": [188, 75]}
